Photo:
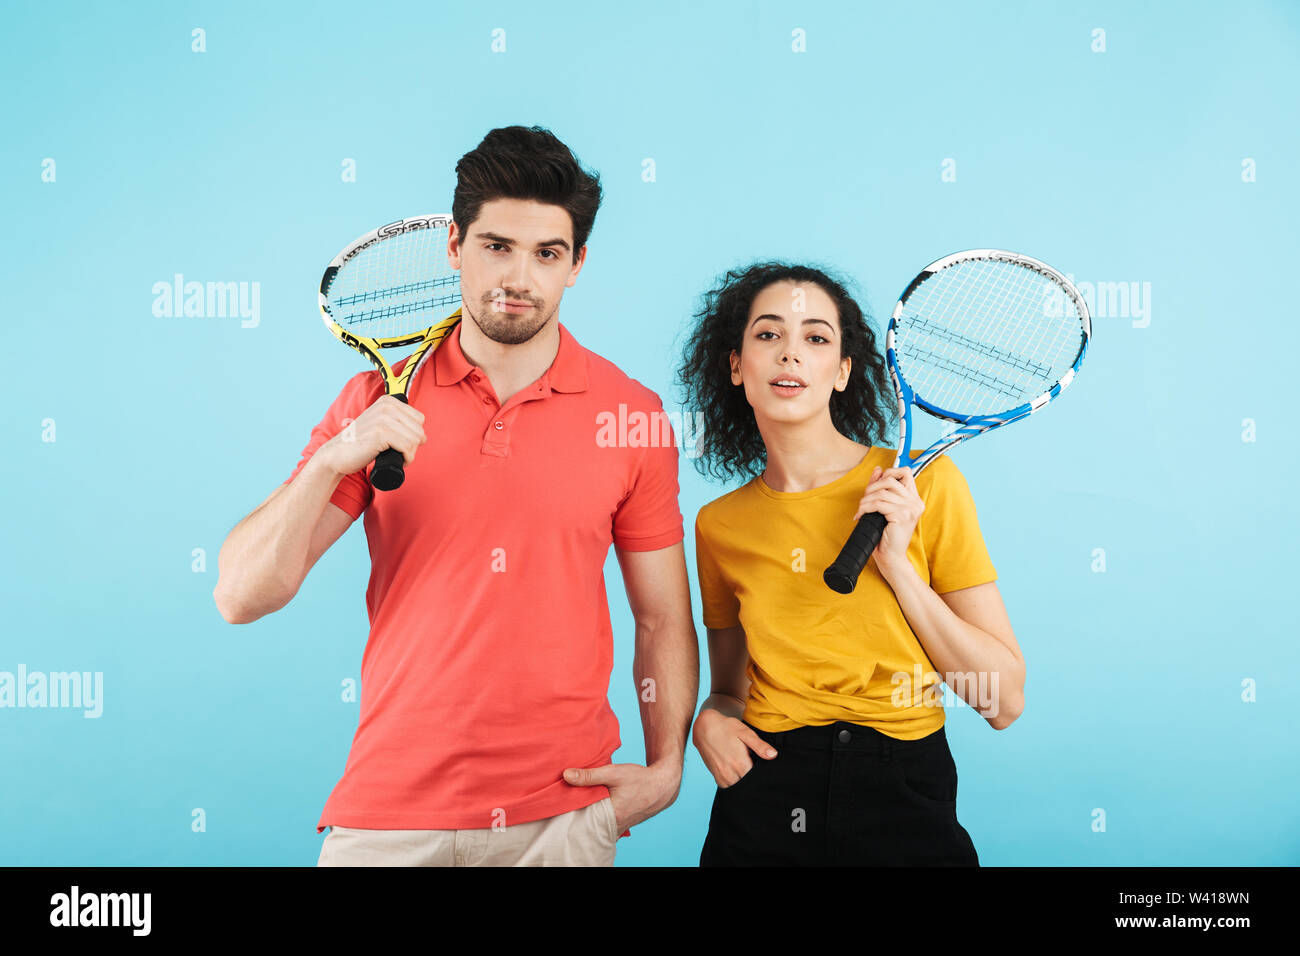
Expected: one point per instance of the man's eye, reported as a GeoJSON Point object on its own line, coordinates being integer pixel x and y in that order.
{"type": "Point", "coordinates": [551, 253]}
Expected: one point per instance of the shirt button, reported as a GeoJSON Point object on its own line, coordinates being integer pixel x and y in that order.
{"type": "Point", "coordinates": [486, 400]}
{"type": "Point", "coordinates": [498, 425]}
{"type": "Point", "coordinates": [845, 736]}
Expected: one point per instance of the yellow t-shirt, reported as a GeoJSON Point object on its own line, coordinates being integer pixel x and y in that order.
{"type": "Point", "coordinates": [817, 656]}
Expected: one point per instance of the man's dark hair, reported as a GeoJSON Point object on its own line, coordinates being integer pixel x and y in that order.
{"type": "Point", "coordinates": [521, 162]}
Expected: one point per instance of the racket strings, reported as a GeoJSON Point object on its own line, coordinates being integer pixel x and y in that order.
{"type": "Point", "coordinates": [984, 336]}
{"type": "Point", "coordinates": [374, 317]}
{"type": "Point", "coordinates": [978, 377]}
{"type": "Point", "coordinates": [397, 286]}
{"type": "Point", "coordinates": [372, 294]}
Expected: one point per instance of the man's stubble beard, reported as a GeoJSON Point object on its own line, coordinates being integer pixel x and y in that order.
{"type": "Point", "coordinates": [509, 330]}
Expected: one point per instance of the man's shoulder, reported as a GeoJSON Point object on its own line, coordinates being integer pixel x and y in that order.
{"type": "Point", "coordinates": [360, 391]}
{"type": "Point", "coordinates": [606, 378]}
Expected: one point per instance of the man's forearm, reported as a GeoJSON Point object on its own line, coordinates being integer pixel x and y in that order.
{"type": "Point", "coordinates": [666, 668]}
{"type": "Point", "coordinates": [262, 562]}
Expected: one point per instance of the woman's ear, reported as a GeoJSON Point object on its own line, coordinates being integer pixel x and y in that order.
{"type": "Point", "coordinates": [734, 358]}
{"type": "Point", "coordinates": [841, 383]}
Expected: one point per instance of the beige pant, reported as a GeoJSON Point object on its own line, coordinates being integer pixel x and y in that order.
{"type": "Point", "coordinates": [583, 837]}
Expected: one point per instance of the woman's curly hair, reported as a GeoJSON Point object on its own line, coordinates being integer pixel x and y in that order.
{"type": "Point", "coordinates": [731, 446]}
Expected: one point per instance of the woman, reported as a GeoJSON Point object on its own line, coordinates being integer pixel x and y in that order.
{"type": "Point", "coordinates": [835, 694]}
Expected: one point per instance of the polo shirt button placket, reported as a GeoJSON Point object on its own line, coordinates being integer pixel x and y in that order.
{"type": "Point", "coordinates": [495, 441]}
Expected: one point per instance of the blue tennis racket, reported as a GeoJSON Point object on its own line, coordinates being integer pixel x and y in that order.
{"type": "Point", "coordinates": [981, 338]}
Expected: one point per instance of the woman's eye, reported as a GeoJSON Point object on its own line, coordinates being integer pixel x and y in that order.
{"type": "Point", "coordinates": [765, 332]}
{"type": "Point", "coordinates": [823, 338]}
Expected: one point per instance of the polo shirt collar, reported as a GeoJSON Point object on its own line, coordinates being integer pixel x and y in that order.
{"type": "Point", "coordinates": [568, 373]}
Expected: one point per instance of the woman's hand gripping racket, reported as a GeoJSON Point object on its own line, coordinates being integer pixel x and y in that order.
{"type": "Point", "coordinates": [390, 288]}
{"type": "Point", "coordinates": [981, 338]}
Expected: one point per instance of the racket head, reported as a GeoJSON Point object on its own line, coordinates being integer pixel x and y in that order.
{"type": "Point", "coordinates": [982, 338]}
{"type": "Point", "coordinates": [390, 288]}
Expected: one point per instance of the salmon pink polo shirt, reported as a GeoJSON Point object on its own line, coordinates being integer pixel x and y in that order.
{"type": "Point", "coordinates": [487, 668]}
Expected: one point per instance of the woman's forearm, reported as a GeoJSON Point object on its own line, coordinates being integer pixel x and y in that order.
{"type": "Point", "coordinates": [957, 647]}
{"type": "Point", "coordinates": [724, 704]}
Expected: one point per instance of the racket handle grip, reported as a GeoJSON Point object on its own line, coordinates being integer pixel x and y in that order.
{"type": "Point", "coordinates": [842, 576]}
{"type": "Point", "coordinates": [390, 464]}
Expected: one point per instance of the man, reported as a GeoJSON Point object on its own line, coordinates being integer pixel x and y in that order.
{"type": "Point", "coordinates": [485, 731]}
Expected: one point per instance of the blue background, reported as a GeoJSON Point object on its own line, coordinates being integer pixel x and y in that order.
{"type": "Point", "coordinates": [1122, 166]}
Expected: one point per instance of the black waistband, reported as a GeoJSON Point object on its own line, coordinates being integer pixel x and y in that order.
{"type": "Point", "coordinates": [845, 736]}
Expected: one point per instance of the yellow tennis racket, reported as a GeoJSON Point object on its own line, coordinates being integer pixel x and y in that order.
{"type": "Point", "coordinates": [389, 289]}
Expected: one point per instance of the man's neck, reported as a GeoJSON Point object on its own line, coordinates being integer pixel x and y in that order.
{"type": "Point", "coordinates": [511, 367]}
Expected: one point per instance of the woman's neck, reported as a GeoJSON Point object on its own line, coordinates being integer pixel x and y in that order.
{"type": "Point", "coordinates": [803, 455]}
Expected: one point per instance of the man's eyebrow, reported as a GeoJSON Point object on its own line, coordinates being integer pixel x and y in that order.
{"type": "Point", "coordinates": [777, 318]}
{"type": "Point", "coordinates": [494, 237]}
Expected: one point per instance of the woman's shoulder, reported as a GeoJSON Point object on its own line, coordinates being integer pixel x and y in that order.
{"type": "Point", "coordinates": [723, 504]}
{"type": "Point", "coordinates": [940, 476]}
{"type": "Point", "coordinates": [727, 510]}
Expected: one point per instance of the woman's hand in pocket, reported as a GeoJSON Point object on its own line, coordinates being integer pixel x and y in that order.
{"type": "Point", "coordinates": [725, 744]}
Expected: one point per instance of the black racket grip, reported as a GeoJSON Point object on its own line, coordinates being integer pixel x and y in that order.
{"type": "Point", "coordinates": [390, 464]}
{"type": "Point", "coordinates": [842, 576]}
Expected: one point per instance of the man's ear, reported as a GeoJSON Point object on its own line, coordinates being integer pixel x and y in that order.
{"type": "Point", "coordinates": [577, 266]}
{"type": "Point", "coordinates": [453, 245]}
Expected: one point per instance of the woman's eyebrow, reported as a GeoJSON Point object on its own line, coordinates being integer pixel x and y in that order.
{"type": "Point", "coordinates": [777, 318]}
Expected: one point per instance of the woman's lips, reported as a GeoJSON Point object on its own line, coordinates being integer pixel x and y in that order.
{"type": "Point", "coordinates": [788, 390]}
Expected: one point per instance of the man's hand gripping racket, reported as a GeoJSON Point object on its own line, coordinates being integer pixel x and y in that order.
{"type": "Point", "coordinates": [981, 338]}
{"type": "Point", "coordinates": [391, 288]}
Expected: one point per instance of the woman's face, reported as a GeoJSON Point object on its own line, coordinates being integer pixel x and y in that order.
{"type": "Point", "coordinates": [793, 334]}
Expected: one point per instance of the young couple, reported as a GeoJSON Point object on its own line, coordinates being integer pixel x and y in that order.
{"type": "Point", "coordinates": [485, 731]}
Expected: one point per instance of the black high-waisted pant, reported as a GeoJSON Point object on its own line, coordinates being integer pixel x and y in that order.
{"type": "Point", "coordinates": [841, 795]}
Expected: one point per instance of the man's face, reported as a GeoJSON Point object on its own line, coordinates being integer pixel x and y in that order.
{"type": "Point", "coordinates": [514, 262]}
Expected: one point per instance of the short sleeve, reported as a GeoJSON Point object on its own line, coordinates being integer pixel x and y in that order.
{"type": "Point", "coordinates": [353, 493]}
{"type": "Point", "coordinates": [648, 518]}
{"type": "Point", "coordinates": [721, 607]}
{"type": "Point", "coordinates": [950, 531]}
